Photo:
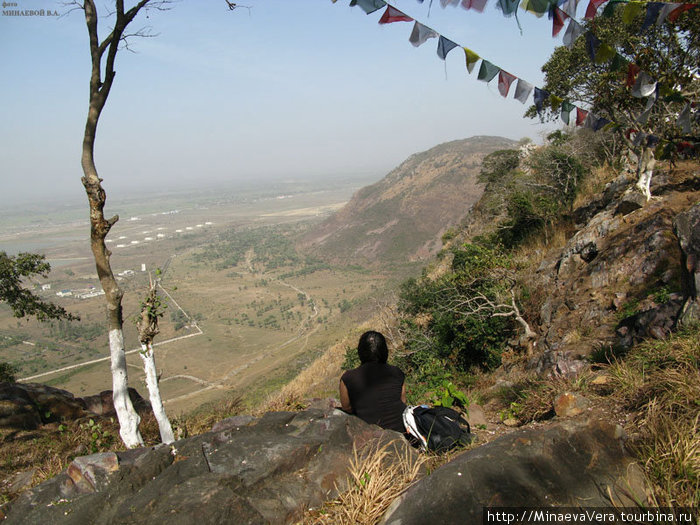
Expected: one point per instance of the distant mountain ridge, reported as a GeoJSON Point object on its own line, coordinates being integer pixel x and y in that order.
{"type": "Point", "coordinates": [403, 216]}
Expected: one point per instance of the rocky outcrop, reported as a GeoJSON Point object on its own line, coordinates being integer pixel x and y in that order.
{"type": "Point", "coordinates": [687, 229]}
{"type": "Point", "coordinates": [265, 470]}
{"type": "Point", "coordinates": [570, 464]}
{"type": "Point", "coordinates": [26, 406]}
{"type": "Point", "coordinates": [616, 279]}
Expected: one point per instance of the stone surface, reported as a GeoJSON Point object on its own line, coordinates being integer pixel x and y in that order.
{"type": "Point", "coordinates": [28, 405]}
{"type": "Point", "coordinates": [687, 229]}
{"type": "Point", "coordinates": [19, 481]}
{"type": "Point", "coordinates": [631, 200]}
{"type": "Point", "coordinates": [570, 405]}
{"type": "Point", "coordinates": [266, 471]}
{"type": "Point", "coordinates": [568, 464]}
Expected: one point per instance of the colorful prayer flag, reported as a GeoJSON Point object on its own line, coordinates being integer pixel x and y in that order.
{"type": "Point", "coordinates": [522, 90]}
{"type": "Point", "coordinates": [540, 96]}
{"type": "Point", "coordinates": [487, 71]}
{"type": "Point", "coordinates": [558, 17]}
{"type": "Point", "coordinates": [632, 10]}
{"type": "Point", "coordinates": [566, 108]}
{"type": "Point", "coordinates": [421, 34]}
{"type": "Point", "coordinates": [471, 57]}
{"type": "Point", "coordinates": [653, 10]}
{"type": "Point", "coordinates": [370, 6]}
{"type": "Point", "coordinates": [477, 5]}
{"type": "Point", "coordinates": [394, 15]}
{"type": "Point", "coordinates": [644, 86]}
{"type": "Point", "coordinates": [445, 45]}
{"type": "Point", "coordinates": [581, 115]}
{"type": "Point", "coordinates": [505, 79]}
{"type": "Point", "coordinates": [593, 6]}
{"type": "Point", "coordinates": [573, 31]}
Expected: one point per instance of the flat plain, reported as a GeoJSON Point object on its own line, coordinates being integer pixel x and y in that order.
{"type": "Point", "coordinates": [245, 311]}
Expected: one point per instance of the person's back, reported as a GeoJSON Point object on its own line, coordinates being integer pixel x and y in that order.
{"type": "Point", "coordinates": [374, 391]}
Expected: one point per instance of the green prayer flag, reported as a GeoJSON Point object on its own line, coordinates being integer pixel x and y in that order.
{"type": "Point", "coordinates": [487, 71]}
{"type": "Point", "coordinates": [619, 63]}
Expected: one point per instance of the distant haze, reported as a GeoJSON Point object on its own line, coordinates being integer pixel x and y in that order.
{"type": "Point", "coordinates": [295, 90]}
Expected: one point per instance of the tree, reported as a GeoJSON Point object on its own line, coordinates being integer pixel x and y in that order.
{"type": "Point", "coordinates": [152, 309]}
{"type": "Point", "coordinates": [13, 269]}
{"type": "Point", "coordinates": [610, 85]}
{"type": "Point", "coordinates": [103, 54]}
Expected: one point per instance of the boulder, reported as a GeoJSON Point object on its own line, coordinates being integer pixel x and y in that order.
{"type": "Point", "coordinates": [686, 226]}
{"type": "Point", "coordinates": [575, 464]}
{"type": "Point", "coordinates": [28, 405]}
{"type": "Point", "coordinates": [102, 404]}
{"type": "Point", "coordinates": [630, 201]}
{"type": "Point", "coordinates": [265, 470]}
{"type": "Point", "coordinates": [570, 405]}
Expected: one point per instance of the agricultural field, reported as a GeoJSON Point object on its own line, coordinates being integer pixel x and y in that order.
{"type": "Point", "coordinates": [245, 312]}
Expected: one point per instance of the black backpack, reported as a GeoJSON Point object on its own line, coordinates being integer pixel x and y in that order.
{"type": "Point", "coordinates": [437, 428]}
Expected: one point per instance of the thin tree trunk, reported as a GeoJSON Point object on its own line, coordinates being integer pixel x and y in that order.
{"type": "Point", "coordinates": [99, 226]}
{"type": "Point", "coordinates": [645, 169]}
{"type": "Point", "coordinates": [149, 367]}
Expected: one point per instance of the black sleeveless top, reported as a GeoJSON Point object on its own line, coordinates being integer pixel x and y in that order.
{"type": "Point", "coordinates": [375, 394]}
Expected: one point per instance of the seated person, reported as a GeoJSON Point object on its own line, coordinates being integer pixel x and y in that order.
{"type": "Point", "coordinates": [374, 391]}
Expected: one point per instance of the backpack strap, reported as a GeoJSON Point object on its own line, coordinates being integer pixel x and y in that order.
{"type": "Point", "coordinates": [409, 422]}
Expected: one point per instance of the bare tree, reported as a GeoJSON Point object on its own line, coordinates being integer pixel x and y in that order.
{"type": "Point", "coordinates": [472, 301]}
{"type": "Point", "coordinates": [103, 54]}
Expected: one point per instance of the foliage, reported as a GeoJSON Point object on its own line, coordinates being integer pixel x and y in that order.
{"type": "Point", "coordinates": [13, 270]}
{"type": "Point", "coordinates": [669, 52]}
{"type": "Point", "coordinates": [98, 438]}
{"type": "Point", "coordinates": [442, 341]}
{"type": "Point", "coordinates": [8, 372]}
{"type": "Point", "coordinates": [498, 164]}
{"type": "Point", "coordinates": [449, 395]}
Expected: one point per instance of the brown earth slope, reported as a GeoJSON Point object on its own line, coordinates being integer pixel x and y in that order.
{"type": "Point", "coordinates": [403, 216]}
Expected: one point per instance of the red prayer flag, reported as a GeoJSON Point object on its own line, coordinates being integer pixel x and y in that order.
{"type": "Point", "coordinates": [593, 7]}
{"type": "Point", "coordinates": [504, 81]}
{"type": "Point", "coordinates": [673, 15]}
{"type": "Point", "coordinates": [632, 72]}
{"type": "Point", "coordinates": [558, 21]}
{"type": "Point", "coordinates": [394, 15]}
{"type": "Point", "coordinates": [581, 115]}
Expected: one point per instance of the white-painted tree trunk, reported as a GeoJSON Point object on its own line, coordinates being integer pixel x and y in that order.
{"type": "Point", "coordinates": [149, 367]}
{"type": "Point", "coordinates": [645, 170]}
{"type": "Point", "coordinates": [128, 418]}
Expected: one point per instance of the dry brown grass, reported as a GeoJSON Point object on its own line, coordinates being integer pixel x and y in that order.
{"type": "Point", "coordinates": [593, 184]}
{"type": "Point", "coordinates": [202, 419]}
{"type": "Point", "coordinates": [319, 378]}
{"type": "Point", "coordinates": [659, 382]}
{"type": "Point", "coordinates": [377, 478]}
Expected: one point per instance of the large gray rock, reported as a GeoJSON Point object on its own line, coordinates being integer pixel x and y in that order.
{"type": "Point", "coordinates": [266, 470]}
{"type": "Point", "coordinates": [687, 228]}
{"type": "Point", "coordinates": [569, 464]}
{"type": "Point", "coordinates": [28, 405]}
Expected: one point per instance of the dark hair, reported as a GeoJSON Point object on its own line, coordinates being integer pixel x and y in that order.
{"type": "Point", "coordinates": [372, 348]}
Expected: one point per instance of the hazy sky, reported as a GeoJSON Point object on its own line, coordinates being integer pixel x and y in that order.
{"type": "Point", "coordinates": [291, 89]}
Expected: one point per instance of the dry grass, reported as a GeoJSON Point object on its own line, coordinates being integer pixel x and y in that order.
{"type": "Point", "coordinates": [659, 382]}
{"type": "Point", "coordinates": [319, 378]}
{"type": "Point", "coordinates": [593, 185]}
{"type": "Point", "coordinates": [377, 478]}
{"type": "Point", "coordinates": [202, 419]}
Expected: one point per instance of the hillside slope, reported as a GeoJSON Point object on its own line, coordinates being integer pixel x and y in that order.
{"type": "Point", "coordinates": [403, 216]}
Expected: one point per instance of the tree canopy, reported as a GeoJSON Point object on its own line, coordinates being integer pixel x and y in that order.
{"type": "Point", "coordinates": [13, 269]}
{"type": "Point", "coordinates": [601, 68]}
